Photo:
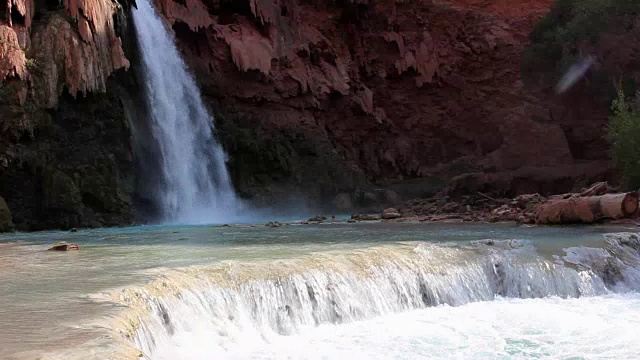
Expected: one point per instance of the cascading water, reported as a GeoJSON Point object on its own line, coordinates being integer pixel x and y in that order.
{"type": "Point", "coordinates": [224, 310]}
{"type": "Point", "coordinates": [194, 185]}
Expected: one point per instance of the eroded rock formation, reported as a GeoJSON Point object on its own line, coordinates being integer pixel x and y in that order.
{"type": "Point", "coordinates": [397, 90]}
{"type": "Point", "coordinates": [64, 155]}
{"type": "Point", "coordinates": [358, 99]}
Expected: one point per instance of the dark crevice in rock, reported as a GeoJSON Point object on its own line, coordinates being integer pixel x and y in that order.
{"type": "Point", "coordinates": [3, 11]}
{"type": "Point", "coordinates": [16, 17]}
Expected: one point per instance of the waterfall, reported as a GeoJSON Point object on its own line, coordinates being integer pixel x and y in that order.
{"type": "Point", "coordinates": [193, 185]}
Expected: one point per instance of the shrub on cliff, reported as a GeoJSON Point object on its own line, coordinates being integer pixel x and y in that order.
{"type": "Point", "coordinates": [624, 135]}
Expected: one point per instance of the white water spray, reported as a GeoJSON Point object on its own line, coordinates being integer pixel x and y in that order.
{"type": "Point", "coordinates": [248, 310]}
{"type": "Point", "coordinates": [194, 185]}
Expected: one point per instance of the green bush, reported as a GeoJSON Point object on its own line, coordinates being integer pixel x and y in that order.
{"type": "Point", "coordinates": [624, 135]}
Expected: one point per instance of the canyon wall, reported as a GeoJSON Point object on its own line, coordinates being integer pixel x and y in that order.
{"type": "Point", "coordinates": [64, 154]}
{"type": "Point", "coordinates": [344, 103]}
{"type": "Point", "coordinates": [409, 95]}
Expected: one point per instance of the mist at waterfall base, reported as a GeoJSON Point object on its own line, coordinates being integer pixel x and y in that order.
{"type": "Point", "coordinates": [184, 166]}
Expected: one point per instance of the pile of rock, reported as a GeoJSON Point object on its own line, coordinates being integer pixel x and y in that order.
{"type": "Point", "coordinates": [598, 202]}
{"type": "Point", "coordinates": [365, 217]}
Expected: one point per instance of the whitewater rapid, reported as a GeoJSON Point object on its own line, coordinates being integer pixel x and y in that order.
{"type": "Point", "coordinates": [315, 305]}
{"type": "Point", "coordinates": [593, 327]}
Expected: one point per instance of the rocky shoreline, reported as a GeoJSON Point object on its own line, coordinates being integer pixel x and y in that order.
{"type": "Point", "coordinates": [596, 204]}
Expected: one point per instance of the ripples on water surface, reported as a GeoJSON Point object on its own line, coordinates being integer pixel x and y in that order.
{"type": "Point", "coordinates": [386, 291]}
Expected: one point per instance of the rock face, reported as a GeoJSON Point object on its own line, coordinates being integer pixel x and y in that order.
{"type": "Point", "coordinates": [65, 158]}
{"type": "Point", "coordinates": [371, 100]}
{"type": "Point", "coordinates": [392, 90]}
{"type": "Point", "coordinates": [6, 223]}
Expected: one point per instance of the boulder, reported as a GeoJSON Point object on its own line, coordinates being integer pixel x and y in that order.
{"type": "Point", "coordinates": [273, 224]}
{"type": "Point", "coordinates": [391, 213]}
{"type": "Point", "coordinates": [6, 223]}
{"type": "Point", "coordinates": [318, 218]}
{"type": "Point", "coordinates": [64, 246]}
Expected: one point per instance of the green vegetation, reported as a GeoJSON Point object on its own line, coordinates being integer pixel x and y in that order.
{"type": "Point", "coordinates": [32, 65]}
{"type": "Point", "coordinates": [624, 135]}
{"type": "Point", "coordinates": [572, 26]}
{"type": "Point", "coordinates": [572, 31]}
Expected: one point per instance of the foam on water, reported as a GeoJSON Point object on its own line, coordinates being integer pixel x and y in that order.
{"type": "Point", "coordinates": [594, 327]}
{"type": "Point", "coordinates": [255, 309]}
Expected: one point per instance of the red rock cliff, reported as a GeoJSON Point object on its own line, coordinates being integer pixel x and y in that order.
{"type": "Point", "coordinates": [402, 89]}
{"type": "Point", "coordinates": [64, 142]}
{"type": "Point", "coordinates": [74, 48]}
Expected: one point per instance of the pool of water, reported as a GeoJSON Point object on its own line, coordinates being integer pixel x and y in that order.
{"type": "Point", "coordinates": [48, 299]}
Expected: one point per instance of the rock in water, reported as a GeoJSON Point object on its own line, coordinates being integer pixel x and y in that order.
{"type": "Point", "coordinates": [366, 217]}
{"type": "Point", "coordinates": [64, 246]}
{"type": "Point", "coordinates": [6, 223]}
{"type": "Point", "coordinates": [318, 218]}
{"type": "Point", "coordinates": [391, 213]}
{"type": "Point", "coordinates": [273, 224]}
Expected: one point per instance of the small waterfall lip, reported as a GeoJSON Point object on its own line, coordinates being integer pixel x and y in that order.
{"type": "Point", "coordinates": [281, 297]}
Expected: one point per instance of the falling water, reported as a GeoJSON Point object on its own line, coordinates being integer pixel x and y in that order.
{"type": "Point", "coordinates": [193, 184]}
{"type": "Point", "coordinates": [245, 304]}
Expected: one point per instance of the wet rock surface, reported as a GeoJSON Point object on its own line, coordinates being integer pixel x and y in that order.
{"type": "Point", "coordinates": [64, 246]}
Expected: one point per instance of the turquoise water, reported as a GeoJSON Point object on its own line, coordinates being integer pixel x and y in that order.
{"type": "Point", "coordinates": [47, 299]}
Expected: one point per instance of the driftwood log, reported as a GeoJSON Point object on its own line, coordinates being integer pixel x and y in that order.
{"type": "Point", "coordinates": [597, 189]}
{"type": "Point", "coordinates": [587, 209]}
